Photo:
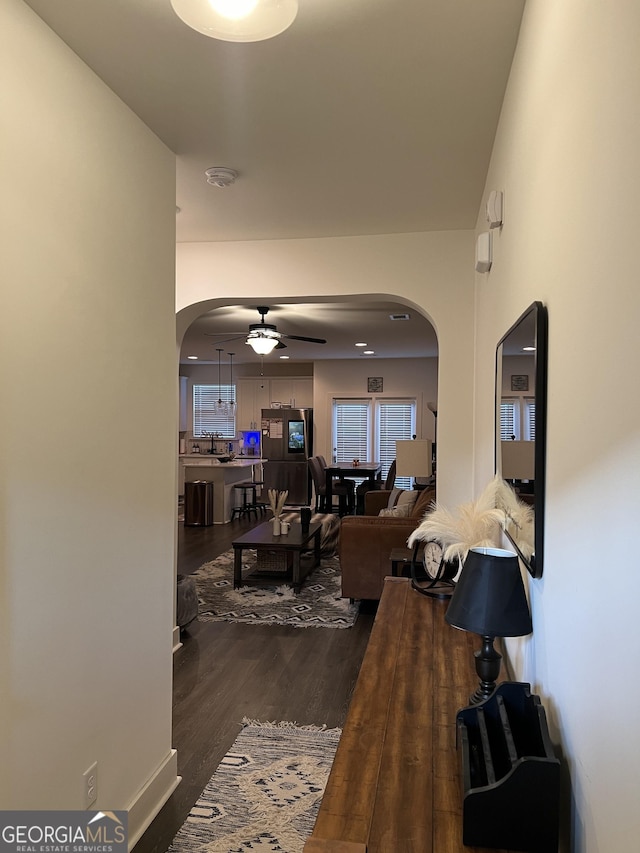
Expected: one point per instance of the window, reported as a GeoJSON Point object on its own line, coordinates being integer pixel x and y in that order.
{"type": "Point", "coordinates": [518, 419]}
{"type": "Point", "coordinates": [530, 419]}
{"type": "Point", "coordinates": [351, 430]}
{"type": "Point", "coordinates": [368, 429]}
{"type": "Point", "coordinates": [208, 415]}
{"type": "Point", "coordinates": [509, 419]}
{"type": "Point", "coordinates": [396, 420]}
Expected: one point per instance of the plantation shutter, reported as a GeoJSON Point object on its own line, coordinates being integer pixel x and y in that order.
{"type": "Point", "coordinates": [396, 421]}
{"type": "Point", "coordinates": [509, 420]}
{"type": "Point", "coordinates": [351, 430]}
{"type": "Point", "coordinates": [209, 416]}
{"type": "Point", "coordinates": [530, 419]}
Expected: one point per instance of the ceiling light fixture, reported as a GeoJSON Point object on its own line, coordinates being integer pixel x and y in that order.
{"type": "Point", "coordinates": [220, 405]}
{"type": "Point", "coordinates": [369, 352]}
{"type": "Point", "coordinates": [361, 344]}
{"type": "Point", "coordinates": [262, 343]}
{"type": "Point", "coordinates": [237, 20]}
{"type": "Point", "coordinates": [232, 402]}
{"type": "Point", "coordinates": [193, 357]}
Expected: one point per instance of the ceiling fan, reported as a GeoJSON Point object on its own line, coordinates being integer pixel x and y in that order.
{"type": "Point", "coordinates": [263, 337]}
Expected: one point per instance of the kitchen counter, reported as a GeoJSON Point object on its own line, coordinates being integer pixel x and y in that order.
{"type": "Point", "coordinates": [208, 459]}
{"type": "Point", "coordinates": [223, 475]}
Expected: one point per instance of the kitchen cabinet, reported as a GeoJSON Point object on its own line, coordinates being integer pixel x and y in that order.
{"type": "Point", "coordinates": [295, 391]}
{"type": "Point", "coordinates": [253, 395]}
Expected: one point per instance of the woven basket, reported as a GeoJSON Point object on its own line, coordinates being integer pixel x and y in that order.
{"type": "Point", "coordinates": [273, 560]}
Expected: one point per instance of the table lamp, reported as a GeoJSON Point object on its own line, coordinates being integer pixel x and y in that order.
{"type": "Point", "coordinates": [413, 458]}
{"type": "Point", "coordinates": [489, 600]}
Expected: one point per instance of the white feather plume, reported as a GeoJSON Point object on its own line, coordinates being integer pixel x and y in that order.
{"type": "Point", "coordinates": [473, 525]}
{"type": "Point", "coordinates": [479, 524]}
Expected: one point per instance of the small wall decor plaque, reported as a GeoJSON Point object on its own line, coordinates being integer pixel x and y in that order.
{"type": "Point", "coordinates": [374, 384]}
{"type": "Point", "coordinates": [519, 382]}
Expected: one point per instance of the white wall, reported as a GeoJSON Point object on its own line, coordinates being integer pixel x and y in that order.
{"type": "Point", "coordinates": [87, 523]}
{"type": "Point", "coordinates": [566, 156]}
{"type": "Point", "coordinates": [402, 377]}
{"type": "Point", "coordinates": [430, 272]}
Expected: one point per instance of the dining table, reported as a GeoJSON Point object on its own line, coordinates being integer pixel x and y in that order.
{"type": "Point", "coordinates": [361, 470]}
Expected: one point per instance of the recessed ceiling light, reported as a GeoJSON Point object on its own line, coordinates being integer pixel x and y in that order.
{"type": "Point", "coordinates": [361, 344]}
{"type": "Point", "coordinates": [369, 352]}
{"type": "Point", "coordinates": [193, 357]}
{"type": "Point", "coordinates": [284, 356]}
{"type": "Point", "coordinates": [528, 349]}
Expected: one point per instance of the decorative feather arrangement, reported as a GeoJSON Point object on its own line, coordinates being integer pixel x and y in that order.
{"type": "Point", "coordinates": [479, 524]}
{"type": "Point", "coordinates": [473, 525]}
{"type": "Point", "coordinates": [277, 501]}
{"type": "Point", "coordinates": [518, 516]}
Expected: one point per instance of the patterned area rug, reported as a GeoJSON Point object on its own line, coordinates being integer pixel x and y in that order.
{"type": "Point", "coordinates": [265, 794]}
{"type": "Point", "coordinates": [319, 603]}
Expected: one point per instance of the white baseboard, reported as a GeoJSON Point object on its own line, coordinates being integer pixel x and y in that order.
{"type": "Point", "coordinates": [152, 797]}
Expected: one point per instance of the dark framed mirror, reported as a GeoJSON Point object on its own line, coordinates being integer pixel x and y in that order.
{"type": "Point", "coordinates": [521, 423]}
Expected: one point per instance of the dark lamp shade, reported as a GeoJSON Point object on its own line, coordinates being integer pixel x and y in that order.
{"type": "Point", "coordinates": [489, 598]}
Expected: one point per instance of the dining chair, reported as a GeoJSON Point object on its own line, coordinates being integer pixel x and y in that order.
{"type": "Point", "coordinates": [343, 489]}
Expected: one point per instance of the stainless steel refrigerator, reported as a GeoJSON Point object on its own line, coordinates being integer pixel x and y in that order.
{"type": "Point", "coordinates": [287, 444]}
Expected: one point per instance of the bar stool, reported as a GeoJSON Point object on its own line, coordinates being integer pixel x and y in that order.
{"type": "Point", "coordinates": [247, 503]}
{"type": "Point", "coordinates": [259, 502]}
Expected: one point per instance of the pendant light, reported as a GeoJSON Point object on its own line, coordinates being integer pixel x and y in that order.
{"type": "Point", "coordinates": [237, 20]}
{"type": "Point", "coordinates": [232, 402]}
{"type": "Point", "coordinates": [220, 401]}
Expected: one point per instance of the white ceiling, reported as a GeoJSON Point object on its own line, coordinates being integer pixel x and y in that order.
{"type": "Point", "coordinates": [342, 325]}
{"type": "Point", "coordinates": [365, 117]}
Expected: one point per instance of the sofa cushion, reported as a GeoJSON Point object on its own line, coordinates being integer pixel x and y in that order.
{"type": "Point", "coordinates": [423, 503]}
{"type": "Point", "coordinates": [400, 511]}
{"type": "Point", "coordinates": [402, 497]}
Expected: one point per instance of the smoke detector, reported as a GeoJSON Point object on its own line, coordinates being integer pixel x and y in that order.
{"type": "Point", "coordinates": [220, 176]}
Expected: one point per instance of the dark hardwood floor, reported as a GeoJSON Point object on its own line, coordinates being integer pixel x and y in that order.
{"type": "Point", "coordinates": [226, 671]}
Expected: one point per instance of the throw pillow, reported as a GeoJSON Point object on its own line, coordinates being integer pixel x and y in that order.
{"type": "Point", "coordinates": [423, 504]}
{"type": "Point", "coordinates": [400, 511]}
{"type": "Point", "coordinates": [402, 497]}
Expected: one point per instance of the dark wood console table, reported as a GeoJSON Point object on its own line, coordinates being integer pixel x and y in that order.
{"type": "Point", "coordinates": [395, 785]}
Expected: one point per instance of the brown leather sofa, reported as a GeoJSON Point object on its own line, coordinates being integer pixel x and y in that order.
{"type": "Point", "coordinates": [366, 542]}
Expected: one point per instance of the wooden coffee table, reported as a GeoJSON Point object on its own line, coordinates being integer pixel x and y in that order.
{"type": "Point", "coordinates": [261, 538]}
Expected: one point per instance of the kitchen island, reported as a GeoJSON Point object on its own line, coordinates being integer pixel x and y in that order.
{"type": "Point", "coordinates": [223, 475]}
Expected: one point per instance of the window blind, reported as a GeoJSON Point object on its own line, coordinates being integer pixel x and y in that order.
{"type": "Point", "coordinates": [396, 421]}
{"type": "Point", "coordinates": [509, 420]}
{"type": "Point", "coordinates": [351, 430]}
{"type": "Point", "coordinates": [208, 416]}
{"type": "Point", "coordinates": [530, 419]}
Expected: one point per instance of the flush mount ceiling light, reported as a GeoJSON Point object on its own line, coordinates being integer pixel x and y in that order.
{"type": "Point", "coordinates": [237, 20]}
{"type": "Point", "coordinates": [220, 176]}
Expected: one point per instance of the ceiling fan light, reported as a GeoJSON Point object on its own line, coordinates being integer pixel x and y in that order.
{"type": "Point", "coordinates": [262, 345]}
{"type": "Point", "coordinates": [233, 9]}
{"type": "Point", "coordinates": [242, 21]}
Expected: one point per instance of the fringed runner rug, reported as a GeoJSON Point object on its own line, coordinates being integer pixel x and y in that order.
{"type": "Point", "coordinates": [265, 794]}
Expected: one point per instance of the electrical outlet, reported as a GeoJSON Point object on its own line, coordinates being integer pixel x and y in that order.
{"type": "Point", "coordinates": [90, 783]}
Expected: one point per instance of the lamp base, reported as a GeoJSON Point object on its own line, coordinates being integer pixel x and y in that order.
{"type": "Point", "coordinates": [488, 662]}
